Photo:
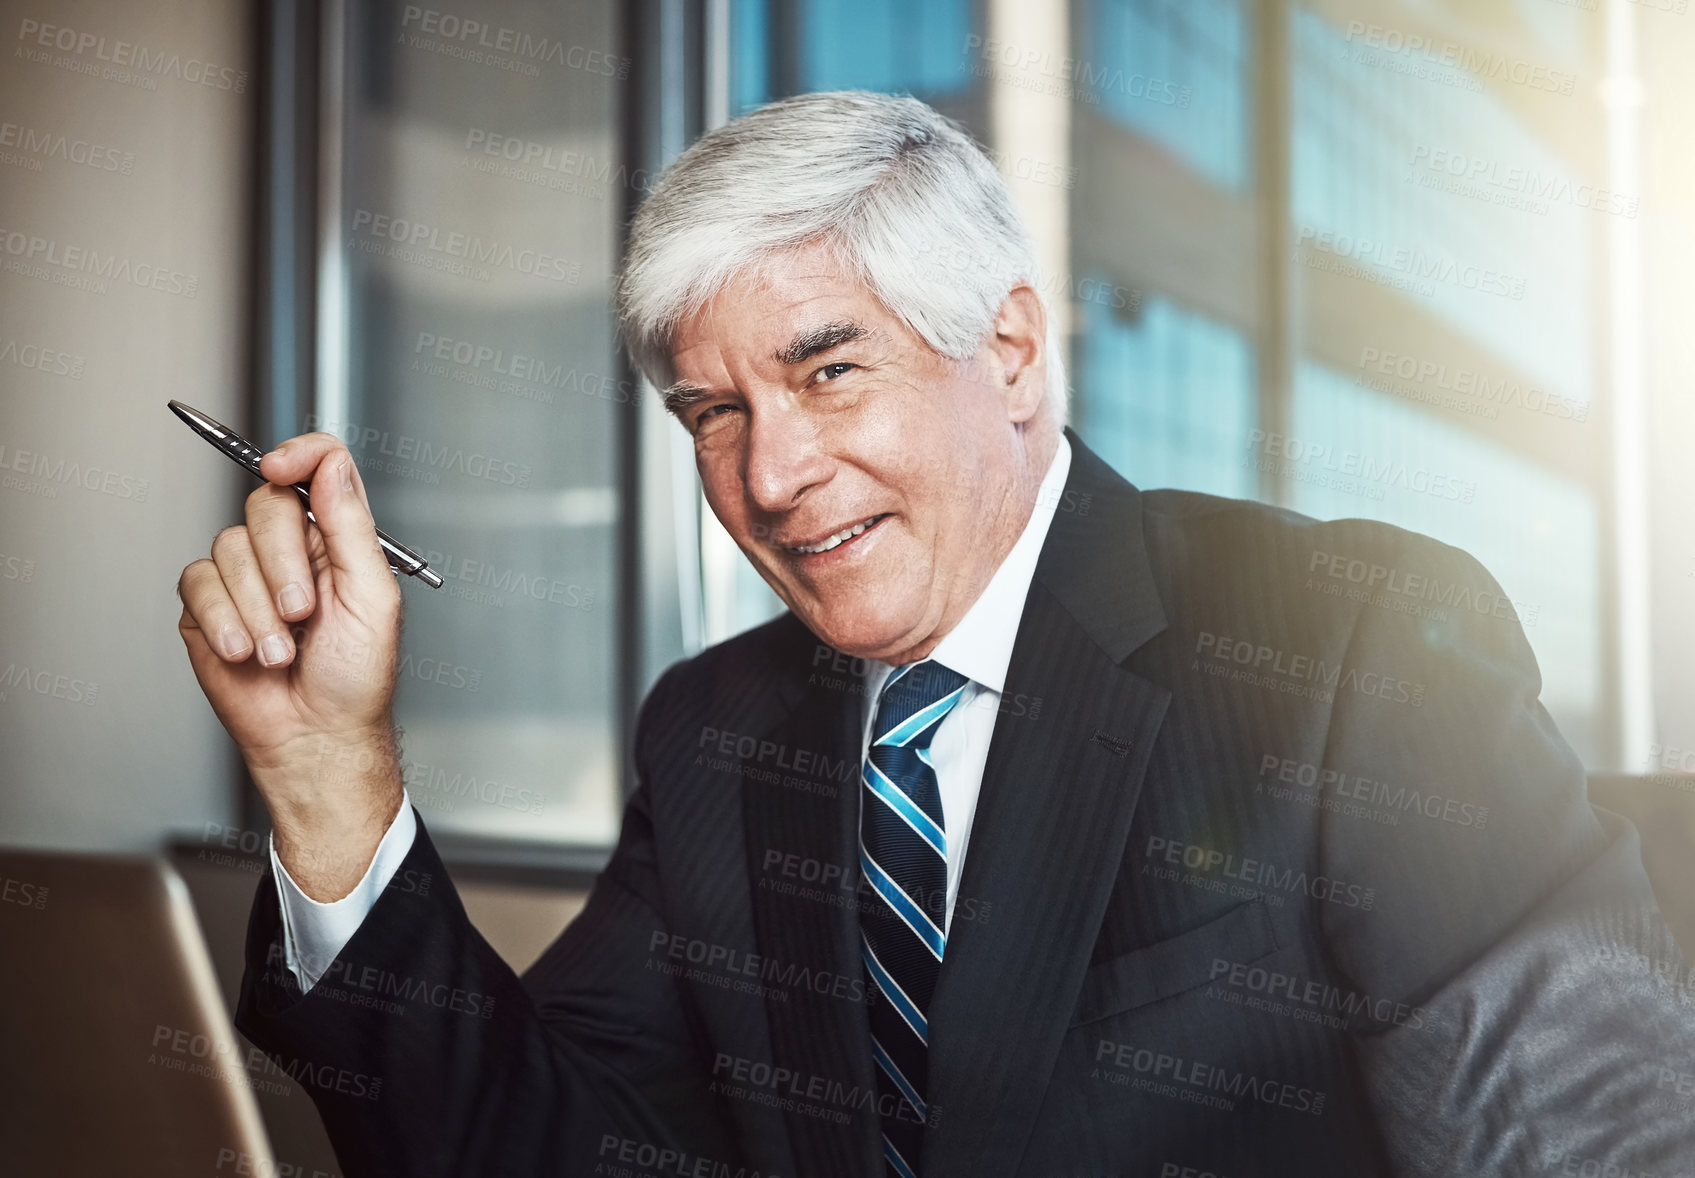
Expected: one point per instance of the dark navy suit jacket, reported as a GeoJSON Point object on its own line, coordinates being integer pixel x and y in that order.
{"type": "Point", "coordinates": [1278, 867]}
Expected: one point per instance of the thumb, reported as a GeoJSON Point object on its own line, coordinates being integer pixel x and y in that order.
{"type": "Point", "coordinates": [350, 534]}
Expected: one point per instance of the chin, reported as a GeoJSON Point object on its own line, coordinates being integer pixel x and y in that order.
{"type": "Point", "coordinates": [863, 636]}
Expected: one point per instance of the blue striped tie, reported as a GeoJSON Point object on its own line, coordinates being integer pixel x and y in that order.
{"type": "Point", "coordinates": [903, 851]}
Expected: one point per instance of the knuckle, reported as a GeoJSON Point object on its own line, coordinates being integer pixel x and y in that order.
{"type": "Point", "coordinates": [230, 539]}
{"type": "Point", "coordinates": [327, 446]}
{"type": "Point", "coordinates": [194, 573]}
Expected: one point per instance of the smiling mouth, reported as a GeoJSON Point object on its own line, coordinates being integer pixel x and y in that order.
{"type": "Point", "coordinates": [838, 539]}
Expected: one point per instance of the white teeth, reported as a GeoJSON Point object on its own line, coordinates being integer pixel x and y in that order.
{"type": "Point", "coordinates": [830, 542]}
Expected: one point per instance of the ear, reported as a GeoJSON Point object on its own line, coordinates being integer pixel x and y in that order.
{"type": "Point", "coordinates": [1020, 343]}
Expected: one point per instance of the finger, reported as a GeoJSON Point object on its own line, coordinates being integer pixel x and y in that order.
{"type": "Point", "coordinates": [349, 533]}
{"type": "Point", "coordinates": [232, 552]}
{"type": "Point", "coordinates": [207, 607]}
{"type": "Point", "coordinates": [276, 528]}
{"type": "Point", "coordinates": [298, 458]}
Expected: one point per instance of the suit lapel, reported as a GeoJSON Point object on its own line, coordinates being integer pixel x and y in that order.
{"type": "Point", "coordinates": [797, 835]}
{"type": "Point", "coordinates": [1047, 842]}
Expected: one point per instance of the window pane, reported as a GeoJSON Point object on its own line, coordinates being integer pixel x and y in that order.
{"type": "Point", "coordinates": [1168, 400]}
{"type": "Point", "coordinates": [482, 196]}
{"type": "Point", "coordinates": [1174, 71]}
{"type": "Point", "coordinates": [1353, 452]}
{"type": "Point", "coordinates": [1440, 190]}
{"type": "Point", "coordinates": [895, 46]}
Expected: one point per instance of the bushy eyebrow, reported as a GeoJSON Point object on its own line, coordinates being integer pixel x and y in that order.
{"type": "Point", "coordinates": [811, 342]}
{"type": "Point", "coordinates": [681, 395]}
{"type": "Point", "coordinates": [814, 340]}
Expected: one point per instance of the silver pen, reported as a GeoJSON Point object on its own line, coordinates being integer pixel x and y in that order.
{"type": "Point", "coordinates": [246, 455]}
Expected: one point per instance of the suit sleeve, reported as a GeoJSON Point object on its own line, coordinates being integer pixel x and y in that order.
{"type": "Point", "coordinates": [1555, 1024]}
{"type": "Point", "coordinates": [426, 1055]}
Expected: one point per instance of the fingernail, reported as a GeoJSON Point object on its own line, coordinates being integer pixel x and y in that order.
{"type": "Point", "coordinates": [346, 469]}
{"type": "Point", "coordinates": [292, 599]}
{"type": "Point", "coordinates": [233, 642]}
{"type": "Point", "coordinates": [272, 649]}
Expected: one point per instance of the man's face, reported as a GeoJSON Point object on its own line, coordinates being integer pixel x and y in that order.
{"type": "Point", "coordinates": [815, 411]}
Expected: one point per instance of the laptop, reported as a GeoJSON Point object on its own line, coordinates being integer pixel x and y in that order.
{"type": "Point", "coordinates": [117, 1055]}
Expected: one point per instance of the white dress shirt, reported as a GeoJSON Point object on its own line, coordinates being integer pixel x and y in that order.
{"type": "Point", "coordinates": [979, 647]}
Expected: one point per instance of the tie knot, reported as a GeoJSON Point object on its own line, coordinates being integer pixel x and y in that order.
{"type": "Point", "coordinates": [913, 703]}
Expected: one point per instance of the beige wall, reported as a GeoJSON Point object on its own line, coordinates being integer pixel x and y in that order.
{"type": "Point", "coordinates": [125, 142]}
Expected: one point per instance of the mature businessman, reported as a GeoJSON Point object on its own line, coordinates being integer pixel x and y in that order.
{"type": "Point", "coordinates": [1058, 828]}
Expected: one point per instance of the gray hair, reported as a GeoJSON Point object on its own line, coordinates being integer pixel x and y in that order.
{"type": "Point", "coordinates": [903, 197]}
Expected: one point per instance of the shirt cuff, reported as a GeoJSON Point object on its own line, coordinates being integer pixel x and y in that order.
{"type": "Point", "coordinates": [313, 932]}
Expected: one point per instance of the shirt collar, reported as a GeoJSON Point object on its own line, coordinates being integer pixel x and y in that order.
{"type": "Point", "coordinates": [980, 645]}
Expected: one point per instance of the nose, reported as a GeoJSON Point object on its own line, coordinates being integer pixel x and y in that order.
{"type": "Point", "coordinates": [784, 458]}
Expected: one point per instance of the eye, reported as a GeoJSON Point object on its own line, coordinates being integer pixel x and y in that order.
{"type": "Point", "coordinates": [832, 371]}
{"type": "Point", "coordinates": [709, 412]}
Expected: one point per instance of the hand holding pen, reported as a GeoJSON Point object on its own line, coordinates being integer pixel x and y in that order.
{"type": "Point", "coordinates": [293, 629]}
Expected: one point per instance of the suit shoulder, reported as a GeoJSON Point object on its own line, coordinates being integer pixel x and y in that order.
{"type": "Point", "coordinates": [1197, 525]}
{"type": "Point", "coordinates": [736, 677]}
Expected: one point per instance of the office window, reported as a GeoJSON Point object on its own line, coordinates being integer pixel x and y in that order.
{"type": "Point", "coordinates": [894, 46]}
{"type": "Point", "coordinates": [1167, 398]}
{"type": "Point", "coordinates": [1173, 71]}
{"type": "Point", "coordinates": [481, 199]}
{"type": "Point", "coordinates": [1361, 454]}
{"type": "Point", "coordinates": [1436, 186]}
